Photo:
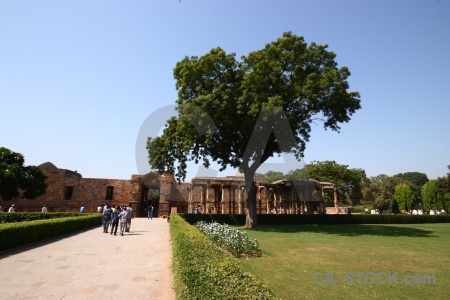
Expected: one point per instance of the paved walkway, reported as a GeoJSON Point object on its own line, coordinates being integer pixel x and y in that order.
{"type": "Point", "coordinates": [93, 265]}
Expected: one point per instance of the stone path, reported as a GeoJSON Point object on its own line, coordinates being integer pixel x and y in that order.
{"type": "Point", "coordinates": [93, 265]}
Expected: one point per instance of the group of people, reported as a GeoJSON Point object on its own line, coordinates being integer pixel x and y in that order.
{"type": "Point", "coordinates": [410, 212]}
{"type": "Point", "coordinates": [113, 215]}
{"type": "Point", "coordinates": [198, 209]}
{"type": "Point", "coordinates": [420, 212]}
{"type": "Point", "coordinates": [11, 209]}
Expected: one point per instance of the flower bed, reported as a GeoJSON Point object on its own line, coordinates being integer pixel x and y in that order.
{"type": "Point", "coordinates": [234, 241]}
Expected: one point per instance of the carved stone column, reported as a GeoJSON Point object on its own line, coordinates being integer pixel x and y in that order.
{"type": "Point", "coordinates": [202, 198]}
{"type": "Point", "coordinates": [190, 208]}
{"type": "Point", "coordinates": [222, 201]}
{"type": "Point", "coordinates": [294, 201]}
{"type": "Point", "coordinates": [208, 204]}
{"type": "Point", "coordinates": [336, 204]}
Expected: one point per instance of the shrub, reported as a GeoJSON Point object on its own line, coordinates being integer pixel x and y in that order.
{"type": "Point", "coordinates": [203, 271]}
{"type": "Point", "coordinates": [22, 233]}
{"type": "Point", "coordinates": [31, 216]}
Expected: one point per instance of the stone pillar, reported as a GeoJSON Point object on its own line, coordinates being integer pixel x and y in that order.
{"type": "Point", "coordinates": [239, 200]}
{"type": "Point", "coordinates": [336, 204]}
{"type": "Point", "coordinates": [216, 196]}
{"type": "Point", "coordinates": [244, 210]}
{"type": "Point", "coordinates": [222, 201]}
{"type": "Point", "coordinates": [208, 204]}
{"type": "Point", "coordinates": [202, 197]}
{"type": "Point", "coordinates": [190, 210]}
{"type": "Point", "coordinates": [258, 201]}
{"type": "Point", "coordinates": [230, 200]}
{"type": "Point", "coordinates": [294, 201]}
{"type": "Point", "coordinates": [233, 200]}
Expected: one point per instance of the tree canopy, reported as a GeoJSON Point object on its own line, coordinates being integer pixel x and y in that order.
{"type": "Point", "coordinates": [380, 191]}
{"type": "Point", "coordinates": [348, 180]}
{"type": "Point", "coordinates": [443, 189]}
{"type": "Point", "coordinates": [404, 196]}
{"type": "Point", "coordinates": [416, 181]}
{"type": "Point", "coordinates": [240, 113]}
{"type": "Point", "coordinates": [430, 195]}
{"type": "Point", "coordinates": [16, 178]}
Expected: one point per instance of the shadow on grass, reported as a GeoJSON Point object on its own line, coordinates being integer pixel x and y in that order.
{"type": "Point", "coordinates": [349, 230]}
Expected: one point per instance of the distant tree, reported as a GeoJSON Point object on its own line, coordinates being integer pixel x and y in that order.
{"type": "Point", "coordinates": [394, 207]}
{"type": "Point", "coordinates": [271, 176]}
{"type": "Point", "coordinates": [379, 191]}
{"type": "Point", "coordinates": [348, 180]}
{"type": "Point", "coordinates": [430, 196]}
{"type": "Point", "coordinates": [16, 178]}
{"type": "Point", "coordinates": [443, 189]}
{"type": "Point", "coordinates": [416, 180]}
{"type": "Point", "coordinates": [404, 196]}
{"type": "Point", "coordinates": [299, 174]}
{"type": "Point", "coordinates": [240, 113]}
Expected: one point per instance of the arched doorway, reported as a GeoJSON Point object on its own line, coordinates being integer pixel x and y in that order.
{"type": "Point", "coordinates": [149, 195]}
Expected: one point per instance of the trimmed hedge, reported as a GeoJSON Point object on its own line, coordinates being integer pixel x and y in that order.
{"type": "Point", "coordinates": [31, 216]}
{"type": "Point", "coordinates": [203, 271]}
{"type": "Point", "coordinates": [287, 219]}
{"type": "Point", "coordinates": [22, 233]}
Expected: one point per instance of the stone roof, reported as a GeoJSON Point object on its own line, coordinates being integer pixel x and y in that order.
{"type": "Point", "coordinates": [47, 165]}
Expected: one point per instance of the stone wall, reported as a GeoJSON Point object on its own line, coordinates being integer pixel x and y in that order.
{"type": "Point", "coordinates": [67, 190]}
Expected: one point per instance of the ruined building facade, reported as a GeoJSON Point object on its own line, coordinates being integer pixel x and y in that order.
{"type": "Point", "coordinates": [67, 190]}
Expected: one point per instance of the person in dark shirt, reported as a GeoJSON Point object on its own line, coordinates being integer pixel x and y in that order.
{"type": "Point", "coordinates": [115, 220]}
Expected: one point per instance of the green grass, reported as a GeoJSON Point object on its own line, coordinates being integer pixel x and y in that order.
{"type": "Point", "coordinates": [293, 254]}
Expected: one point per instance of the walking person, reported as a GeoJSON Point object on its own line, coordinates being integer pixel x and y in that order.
{"type": "Point", "coordinates": [44, 209]}
{"type": "Point", "coordinates": [129, 216]}
{"type": "Point", "coordinates": [82, 209]}
{"type": "Point", "coordinates": [123, 221]}
{"type": "Point", "coordinates": [12, 209]}
{"type": "Point", "coordinates": [107, 212]}
{"type": "Point", "coordinates": [150, 212]}
{"type": "Point", "coordinates": [115, 220]}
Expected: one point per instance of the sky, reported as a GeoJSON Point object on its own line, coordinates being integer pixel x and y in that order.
{"type": "Point", "coordinates": [83, 83]}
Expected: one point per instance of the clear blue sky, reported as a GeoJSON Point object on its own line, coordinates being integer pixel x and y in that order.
{"type": "Point", "coordinates": [79, 78]}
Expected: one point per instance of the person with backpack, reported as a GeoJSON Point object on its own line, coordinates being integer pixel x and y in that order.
{"type": "Point", "coordinates": [107, 212]}
{"type": "Point", "coordinates": [115, 220]}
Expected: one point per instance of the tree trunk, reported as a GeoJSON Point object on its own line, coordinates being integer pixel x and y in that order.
{"type": "Point", "coordinates": [250, 220]}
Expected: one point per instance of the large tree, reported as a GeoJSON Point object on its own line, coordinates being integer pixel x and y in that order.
{"type": "Point", "coordinates": [15, 178]}
{"type": "Point", "coordinates": [240, 113]}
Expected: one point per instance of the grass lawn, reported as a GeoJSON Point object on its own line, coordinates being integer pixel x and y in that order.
{"type": "Point", "coordinates": [294, 254]}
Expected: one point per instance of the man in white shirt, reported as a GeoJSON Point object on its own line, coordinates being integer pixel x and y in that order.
{"type": "Point", "coordinates": [129, 216]}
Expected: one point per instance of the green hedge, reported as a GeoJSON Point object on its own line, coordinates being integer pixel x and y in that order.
{"type": "Point", "coordinates": [22, 233]}
{"type": "Point", "coordinates": [31, 216]}
{"type": "Point", "coordinates": [203, 271]}
{"type": "Point", "coordinates": [318, 219]}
